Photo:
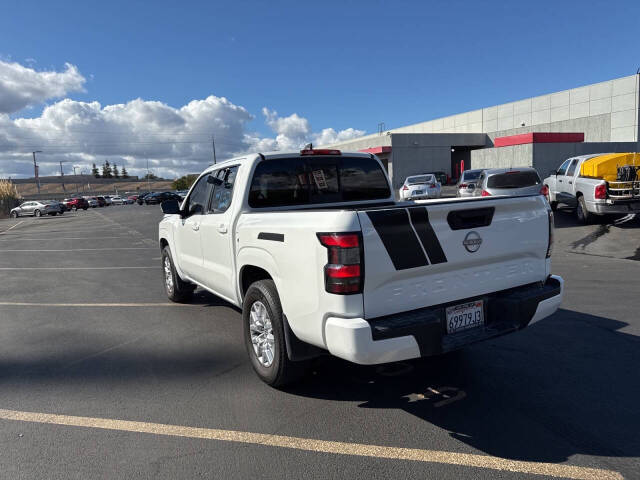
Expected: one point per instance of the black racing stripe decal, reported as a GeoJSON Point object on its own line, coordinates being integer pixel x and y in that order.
{"type": "Point", "coordinates": [398, 238]}
{"type": "Point", "coordinates": [420, 220]}
{"type": "Point", "coordinates": [276, 237]}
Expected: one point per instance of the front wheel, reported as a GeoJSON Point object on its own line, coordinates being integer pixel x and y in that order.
{"type": "Point", "coordinates": [13, 214]}
{"type": "Point", "coordinates": [581, 211]}
{"type": "Point", "coordinates": [177, 289]}
{"type": "Point", "coordinates": [74, 209]}
{"type": "Point", "coordinates": [264, 336]}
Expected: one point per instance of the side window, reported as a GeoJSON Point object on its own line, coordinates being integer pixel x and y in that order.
{"type": "Point", "coordinates": [563, 168]}
{"type": "Point", "coordinates": [572, 168]}
{"type": "Point", "coordinates": [197, 201]}
{"type": "Point", "coordinates": [223, 190]}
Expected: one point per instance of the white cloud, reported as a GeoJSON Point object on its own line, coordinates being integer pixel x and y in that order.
{"type": "Point", "coordinates": [22, 86]}
{"type": "Point", "coordinates": [175, 141]}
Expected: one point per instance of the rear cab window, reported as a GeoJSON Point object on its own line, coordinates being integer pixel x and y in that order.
{"type": "Point", "coordinates": [299, 181]}
{"type": "Point", "coordinates": [527, 178]}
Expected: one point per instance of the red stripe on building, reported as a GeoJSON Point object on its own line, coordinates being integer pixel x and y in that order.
{"type": "Point", "coordinates": [538, 137]}
{"type": "Point", "coordinates": [376, 150]}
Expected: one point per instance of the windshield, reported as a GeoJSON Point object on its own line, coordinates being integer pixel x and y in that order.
{"type": "Point", "coordinates": [420, 179]}
{"type": "Point", "coordinates": [513, 179]}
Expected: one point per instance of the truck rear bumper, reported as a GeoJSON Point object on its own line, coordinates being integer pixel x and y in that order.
{"type": "Point", "coordinates": [422, 332]}
{"type": "Point", "coordinates": [632, 206]}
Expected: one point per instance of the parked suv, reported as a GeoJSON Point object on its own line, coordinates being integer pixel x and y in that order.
{"type": "Point", "coordinates": [76, 203]}
{"type": "Point", "coordinates": [156, 198]}
{"type": "Point", "coordinates": [510, 181]}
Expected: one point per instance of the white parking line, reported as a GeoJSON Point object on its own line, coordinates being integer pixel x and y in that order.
{"type": "Point", "coordinates": [96, 305]}
{"type": "Point", "coordinates": [12, 227]}
{"type": "Point", "coordinates": [22, 239]}
{"type": "Point", "coordinates": [76, 268]}
{"type": "Point", "coordinates": [320, 446]}
{"type": "Point", "coordinates": [83, 249]}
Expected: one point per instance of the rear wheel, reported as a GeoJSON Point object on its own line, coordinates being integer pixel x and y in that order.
{"type": "Point", "coordinates": [37, 213]}
{"type": "Point", "coordinates": [581, 211]}
{"type": "Point", "coordinates": [264, 336]}
{"type": "Point", "coordinates": [177, 289]}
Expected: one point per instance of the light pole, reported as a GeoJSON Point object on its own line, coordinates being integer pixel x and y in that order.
{"type": "Point", "coordinates": [35, 170]}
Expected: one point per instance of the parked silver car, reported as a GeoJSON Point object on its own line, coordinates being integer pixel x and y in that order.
{"type": "Point", "coordinates": [420, 187]}
{"type": "Point", "coordinates": [516, 181]}
{"type": "Point", "coordinates": [466, 185]}
{"type": "Point", "coordinates": [36, 208]}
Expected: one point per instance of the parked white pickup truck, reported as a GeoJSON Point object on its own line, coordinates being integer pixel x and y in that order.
{"type": "Point", "coordinates": [320, 258]}
{"type": "Point", "coordinates": [592, 195]}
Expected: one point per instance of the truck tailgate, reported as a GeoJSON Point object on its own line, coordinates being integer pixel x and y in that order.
{"type": "Point", "coordinates": [422, 255]}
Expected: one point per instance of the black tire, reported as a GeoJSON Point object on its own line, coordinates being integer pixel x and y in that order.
{"type": "Point", "coordinates": [13, 215]}
{"type": "Point", "coordinates": [37, 213]}
{"type": "Point", "coordinates": [581, 211]}
{"type": "Point", "coordinates": [179, 291]}
{"type": "Point", "coordinates": [281, 371]}
{"type": "Point", "coordinates": [74, 208]}
{"type": "Point", "coordinates": [85, 208]}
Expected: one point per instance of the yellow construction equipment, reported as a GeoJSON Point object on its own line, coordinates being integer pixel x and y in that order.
{"type": "Point", "coordinates": [606, 166]}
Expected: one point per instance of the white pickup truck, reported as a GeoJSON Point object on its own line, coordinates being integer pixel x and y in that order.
{"type": "Point", "coordinates": [589, 195]}
{"type": "Point", "coordinates": [321, 259]}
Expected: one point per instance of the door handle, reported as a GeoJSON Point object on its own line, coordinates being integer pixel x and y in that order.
{"type": "Point", "coordinates": [222, 228]}
{"type": "Point", "coordinates": [559, 181]}
{"type": "Point", "coordinates": [570, 183]}
{"type": "Point", "coordinates": [195, 227]}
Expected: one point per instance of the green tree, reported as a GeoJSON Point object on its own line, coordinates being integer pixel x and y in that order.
{"type": "Point", "coordinates": [106, 170]}
{"type": "Point", "coordinates": [95, 172]}
{"type": "Point", "coordinates": [116, 173]}
{"type": "Point", "coordinates": [150, 176]}
{"type": "Point", "coordinates": [124, 173]}
{"type": "Point", "coordinates": [184, 182]}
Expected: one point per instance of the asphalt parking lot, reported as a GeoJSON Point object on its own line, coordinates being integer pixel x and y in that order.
{"type": "Point", "coordinates": [101, 377]}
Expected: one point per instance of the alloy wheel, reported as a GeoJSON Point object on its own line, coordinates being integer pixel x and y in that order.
{"type": "Point", "coordinates": [261, 332]}
{"type": "Point", "coordinates": [168, 275]}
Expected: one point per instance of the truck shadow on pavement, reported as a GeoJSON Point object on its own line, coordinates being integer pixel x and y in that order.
{"type": "Point", "coordinates": [568, 385]}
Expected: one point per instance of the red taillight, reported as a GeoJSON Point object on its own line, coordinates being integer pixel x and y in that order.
{"type": "Point", "coordinates": [405, 187]}
{"type": "Point", "coordinates": [544, 190]}
{"type": "Point", "coordinates": [433, 185]}
{"type": "Point", "coordinates": [320, 151]}
{"type": "Point", "coordinates": [341, 240]}
{"type": "Point", "coordinates": [343, 273]}
{"type": "Point", "coordinates": [463, 185]}
{"type": "Point", "coordinates": [601, 191]}
{"type": "Point", "coordinates": [485, 193]}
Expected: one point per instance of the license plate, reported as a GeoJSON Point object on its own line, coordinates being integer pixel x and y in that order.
{"type": "Point", "coordinates": [418, 192]}
{"type": "Point", "coordinates": [465, 316]}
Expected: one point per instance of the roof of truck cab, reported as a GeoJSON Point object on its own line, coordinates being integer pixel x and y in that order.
{"type": "Point", "coordinates": [273, 155]}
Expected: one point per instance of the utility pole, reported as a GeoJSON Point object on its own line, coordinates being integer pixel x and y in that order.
{"type": "Point", "coordinates": [148, 179]}
{"type": "Point", "coordinates": [35, 170]}
{"type": "Point", "coordinates": [62, 177]}
{"type": "Point", "coordinates": [75, 175]}
{"type": "Point", "coordinates": [213, 144]}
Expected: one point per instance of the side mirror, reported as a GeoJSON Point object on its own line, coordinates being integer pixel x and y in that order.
{"type": "Point", "coordinates": [170, 207]}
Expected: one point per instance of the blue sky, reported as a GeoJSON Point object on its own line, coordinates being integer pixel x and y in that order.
{"type": "Point", "coordinates": [337, 64]}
